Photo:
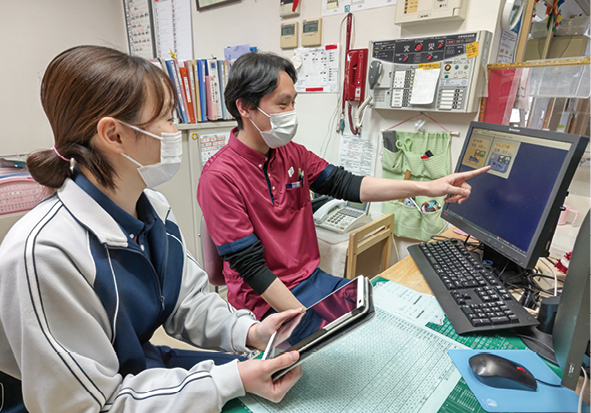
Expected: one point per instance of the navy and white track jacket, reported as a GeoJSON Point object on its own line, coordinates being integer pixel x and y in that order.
{"type": "Point", "coordinates": [77, 303]}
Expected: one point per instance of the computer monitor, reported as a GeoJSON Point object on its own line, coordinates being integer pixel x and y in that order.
{"type": "Point", "coordinates": [513, 209]}
{"type": "Point", "coordinates": [570, 335]}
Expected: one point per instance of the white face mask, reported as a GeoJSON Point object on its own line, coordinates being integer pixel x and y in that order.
{"type": "Point", "coordinates": [171, 151]}
{"type": "Point", "coordinates": [284, 126]}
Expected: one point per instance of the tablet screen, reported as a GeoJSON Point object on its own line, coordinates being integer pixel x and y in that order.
{"type": "Point", "coordinates": [305, 328]}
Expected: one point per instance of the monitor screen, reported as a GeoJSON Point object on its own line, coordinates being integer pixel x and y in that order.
{"type": "Point", "coordinates": [514, 207]}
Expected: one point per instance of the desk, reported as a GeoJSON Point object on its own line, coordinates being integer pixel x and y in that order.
{"type": "Point", "coordinates": [407, 273]}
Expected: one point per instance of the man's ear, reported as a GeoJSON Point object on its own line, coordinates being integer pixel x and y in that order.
{"type": "Point", "coordinates": [244, 107]}
{"type": "Point", "coordinates": [109, 136]}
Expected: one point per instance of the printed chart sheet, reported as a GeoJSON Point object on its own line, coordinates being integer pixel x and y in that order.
{"type": "Point", "coordinates": [404, 368]}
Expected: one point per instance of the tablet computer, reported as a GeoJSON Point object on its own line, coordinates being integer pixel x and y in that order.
{"type": "Point", "coordinates": [323, 322]}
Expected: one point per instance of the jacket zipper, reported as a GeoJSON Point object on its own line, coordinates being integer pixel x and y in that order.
{"type": "Point", "coordinates": [155, 274]}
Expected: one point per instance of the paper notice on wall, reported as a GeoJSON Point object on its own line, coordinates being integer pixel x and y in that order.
{"type": "Point", "coordinates": [424, 86]}
{"type": "Point", "coordinates": [356, 154]}
{"type": "Point", "coordinates": [139, 28]}
{"type": "Point", "coordinates": [210, 144]}
{"type": "Point", "coordinates": [319, 70]}
{"type": "Point", "coordinates": [507, 46]}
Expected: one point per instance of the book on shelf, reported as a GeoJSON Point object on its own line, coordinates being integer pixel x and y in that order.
{"type": "Point", "coordinates": [199, 85]}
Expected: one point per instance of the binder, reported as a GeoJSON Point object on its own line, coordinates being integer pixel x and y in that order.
{"type": "Point", "coordinates": [187, 92]}
{"type": "Point", "coordinates": [202, 72]}
{"type": "Point", "coordinates": [222, 85]}
{"type": "Point", "coordinates": [227, 66]}
{"type": "Point", "coordinates": [194, 81]}
{"type": "Point", "coordinates": [182, 86]}
{"type": "Point", "coordinates": [212, 113]}
{"type": "Point", "coordinates": [172, 72]}
{"type": "Point", "coordinates": [215, 87]}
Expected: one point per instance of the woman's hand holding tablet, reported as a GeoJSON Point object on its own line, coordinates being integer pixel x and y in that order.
{"type": "Point", "coordinates": [327, 320]}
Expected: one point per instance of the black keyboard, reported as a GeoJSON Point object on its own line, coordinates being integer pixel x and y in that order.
{"type": "Point", "coordinates": [471, 295]}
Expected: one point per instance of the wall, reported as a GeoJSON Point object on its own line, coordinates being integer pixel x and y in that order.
{"type": "Point", "coordinates": [258, 23]}
{"type": "Point", "coordinates": [35, 31]}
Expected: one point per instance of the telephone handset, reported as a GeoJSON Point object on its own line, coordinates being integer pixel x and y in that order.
{"type": "Point", "coordinates": [322, 213]}
{"type": "Point", "coordinates": [355, 71]}
{"type": "Point", "coordinates": [341, 216]}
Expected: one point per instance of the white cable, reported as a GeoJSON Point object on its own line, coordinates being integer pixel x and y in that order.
{"type": "Point", "coordinates": [335, 113]}
{"type": "Point", "coordinates": [582, 390]}
{"type": "Point", "coordinates": [555, 278]}
{"type": "Point", "coordinates": [361, 109]}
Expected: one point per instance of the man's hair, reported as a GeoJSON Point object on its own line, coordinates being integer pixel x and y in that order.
{"type": "Point", "coordinates": [252, 76]}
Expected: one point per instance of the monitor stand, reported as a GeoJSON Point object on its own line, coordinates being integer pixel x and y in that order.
{"type": "Point", "coordinates": [501, 263]}
{"type": "Point", "coordinates": [539, 342]}
{"type": "Point", "coordinates": [539, 338]}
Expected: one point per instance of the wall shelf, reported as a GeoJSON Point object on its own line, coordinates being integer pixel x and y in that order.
{"type": "Point", "coordinates": [207, 125]}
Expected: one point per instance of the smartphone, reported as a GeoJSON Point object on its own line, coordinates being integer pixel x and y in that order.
{"type": "Point", "coordinates": [323, 322]}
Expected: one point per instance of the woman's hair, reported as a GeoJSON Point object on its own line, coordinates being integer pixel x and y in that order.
{"type": "Point", "coordinates": [252, 76]}
{"type": "Point", "coordinates": [80, 87]}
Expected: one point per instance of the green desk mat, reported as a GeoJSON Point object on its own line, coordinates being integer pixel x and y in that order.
{"type": "Point", "coordinates": [461, 399]}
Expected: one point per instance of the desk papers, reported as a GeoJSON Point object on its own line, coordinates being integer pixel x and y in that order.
{"type": "Point", "coordinates": [391, 364]}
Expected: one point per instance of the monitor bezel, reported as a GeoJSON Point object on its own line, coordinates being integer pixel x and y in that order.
{"type": "Point", "coordinates": [545, 230]}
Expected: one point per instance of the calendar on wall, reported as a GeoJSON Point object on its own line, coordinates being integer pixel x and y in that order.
{"type": "Point", "coordinates": [140, 36]}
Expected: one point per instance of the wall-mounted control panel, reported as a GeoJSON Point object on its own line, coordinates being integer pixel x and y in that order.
{"type": "Point", "coordinates": [289, 8]}
{"type": "Point", "coordinates": [423, 11]}
{"type": "Point", "coordinates": [436, 73]}
{"type": "Point", "coordinates": [289, 35]}
{"type": "Point", "coordinates": [312, 32]}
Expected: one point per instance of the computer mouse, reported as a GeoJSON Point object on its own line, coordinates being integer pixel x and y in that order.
{"type": "Point", "coordinates": [499, 372]}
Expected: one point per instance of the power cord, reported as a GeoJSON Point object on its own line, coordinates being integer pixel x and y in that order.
{"type": "Point", "coordinates": [580, 409]}
{"type": "Point", "coordinates": [554, 274]}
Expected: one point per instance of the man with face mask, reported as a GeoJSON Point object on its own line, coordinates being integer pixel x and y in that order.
{"type": "Point", "coordinates": [255, 193]}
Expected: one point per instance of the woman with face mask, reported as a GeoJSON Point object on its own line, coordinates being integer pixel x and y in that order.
{"type": "Point", "coordinates": [91, 272]}
{"type": "Point", "coordinates": [255, 193]}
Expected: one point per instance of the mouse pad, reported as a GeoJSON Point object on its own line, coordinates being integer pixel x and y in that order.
{"type": "Point", "coordinates": [544, 399]}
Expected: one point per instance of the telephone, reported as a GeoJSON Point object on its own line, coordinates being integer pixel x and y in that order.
{"type": "Point", "coordinates": [342, 216]}
{"type": "Point", "coordinates": [355, 68]}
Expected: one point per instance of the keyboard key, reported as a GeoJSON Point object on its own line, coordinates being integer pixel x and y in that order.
{"type": "Point", "coordinates": [466, 309]}
{"type": "Point", "coordinates": [499, 320]}
{"type": "Point", "coordinates": [480, 322]}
